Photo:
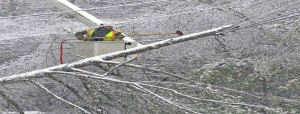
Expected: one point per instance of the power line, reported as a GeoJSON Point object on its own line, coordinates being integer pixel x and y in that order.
{"type": "Point", "coordinates": [277, 9]}
{"type": "Point", "coordinates": [239, 3]}
{"type": "Point", "coordinates": [273, 20]}
{"type": "Point", "coordinates": [50, 13]}
{"type": "Point", "coordinates": [287, 16]}
{"type": "Point", "coordinates": [132, 21]}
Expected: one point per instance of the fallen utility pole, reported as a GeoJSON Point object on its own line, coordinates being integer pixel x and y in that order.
{"type": "Point", "coordinates": [88, 61]}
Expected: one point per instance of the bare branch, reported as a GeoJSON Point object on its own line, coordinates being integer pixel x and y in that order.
{"type": "Point", "coordinates": [18, 108]}
{"type": "Point", "coordinates": [86, 72]}
{"type": "Point", "coordinates": [165, 99]}
{"type": "Point", "coordinates": [101, 77]}
{"type": "Point", "coordinates": [72, 89]}
{"type": "Point", "coordinates": [206, 100]}
{"type": "Point", "coordinates": [274, 98]}
{"type": "Point", "coordinates": [59, 98]}
{"type": "Point", "coordinates": [150, 69]}
{"type": "Point", "coordinates": [75, 92]}
{"type": "Point", "coordinates": [117, 66]}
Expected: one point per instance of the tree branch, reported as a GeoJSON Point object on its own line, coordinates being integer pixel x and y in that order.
{"type": "Point", "coordinates": [206, 100]}
{"type": "Point", "coordinates": [117, 66]}
{"type": "Point", "coordinates": [150, 69]}
{"type": "Point", "coordinates": [72, 89]}
{"type": "Point", "coordinates": [18, 108]}
{"type": "Point", "coordinates": [101, 77]}
{"type": "Point", "coordinates": [59, 98]}
{"type": "Point", "coordinates": [110, 56]}
{"type": "Point", "coordinates": [165, 99]}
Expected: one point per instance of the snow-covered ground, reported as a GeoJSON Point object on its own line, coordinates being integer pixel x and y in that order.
{"type": "Point", "coordinates": [31, 42]}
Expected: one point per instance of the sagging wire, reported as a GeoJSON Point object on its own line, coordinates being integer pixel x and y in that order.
{"type": "Point", "coordinates": [140, 20]}
{"type": "Point", "coordinates": [275, 10]}
{"type": "Point", "coordinates": [284, 17]}
{"type": "Point", "coordinates": [235, 27]}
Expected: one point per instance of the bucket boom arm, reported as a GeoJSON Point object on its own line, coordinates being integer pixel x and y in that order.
{"type": "Point", "coordinates": [81, 15]}
{"type": "Point", "coordinates": [78, 13]}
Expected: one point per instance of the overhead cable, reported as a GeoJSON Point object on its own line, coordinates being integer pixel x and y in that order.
{"type": "Point", "coordinates": [275, 10]}
{"type": "Point", "coordinates": [131, 21]}
{"type": "Point", "coordinates": [284, 17]}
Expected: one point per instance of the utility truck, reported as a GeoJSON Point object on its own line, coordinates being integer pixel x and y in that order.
{"type": "Point", "coordinates": [92, 48]}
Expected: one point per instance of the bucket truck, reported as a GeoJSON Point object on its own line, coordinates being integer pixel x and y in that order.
{"type": "Point", "coordinates": [92, 48]}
